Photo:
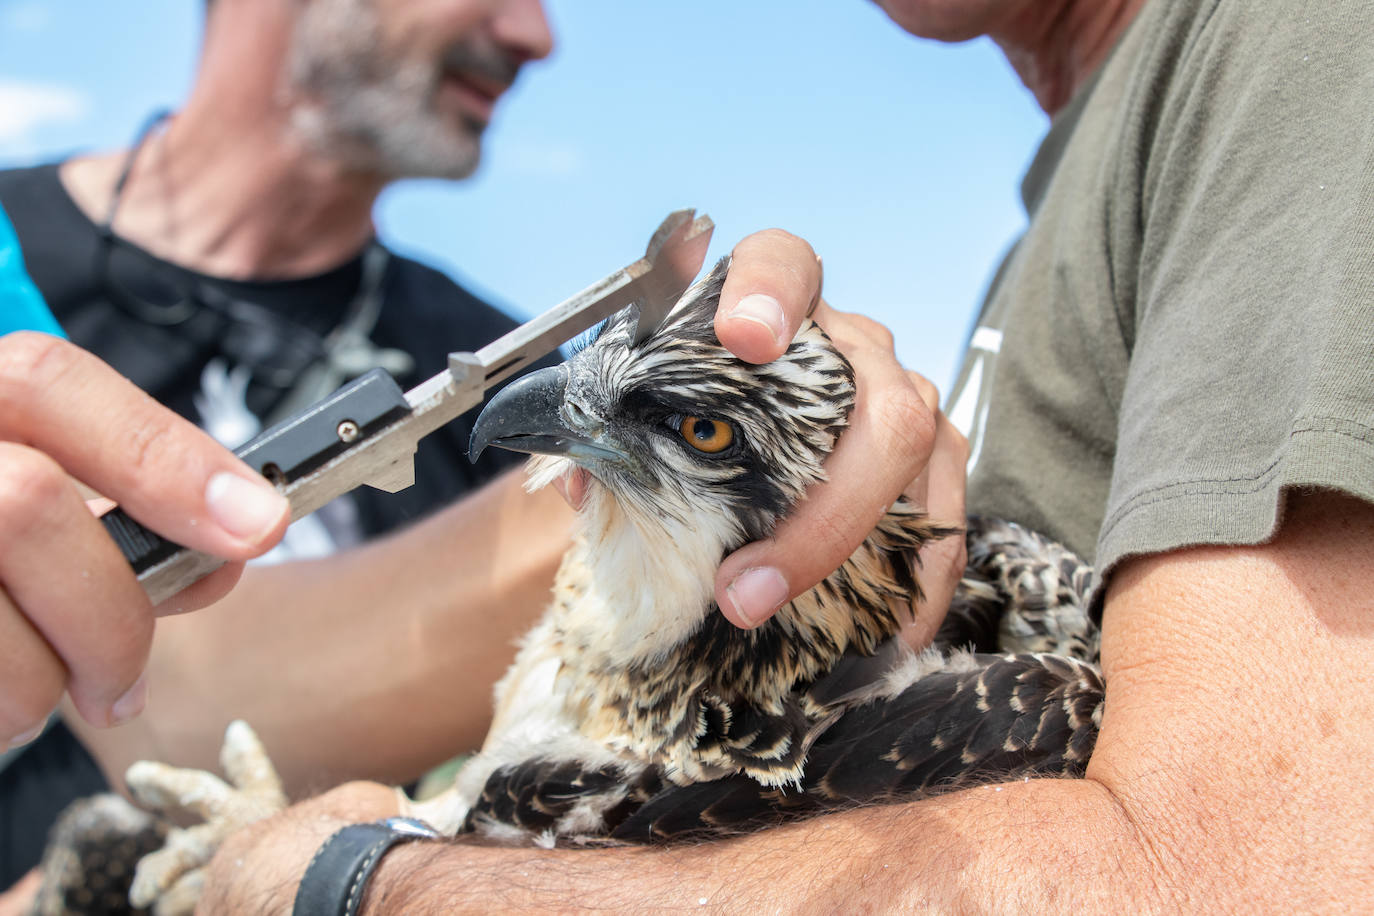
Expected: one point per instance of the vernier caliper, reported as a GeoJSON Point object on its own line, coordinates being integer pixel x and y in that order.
{"type": "Point", "coordinates": [367, 431]}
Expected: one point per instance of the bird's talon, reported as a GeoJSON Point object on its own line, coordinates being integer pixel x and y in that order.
{"type": "Point", "coordinates": [166, 879]}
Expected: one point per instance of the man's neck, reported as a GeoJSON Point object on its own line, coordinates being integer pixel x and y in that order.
{"type": "Point", "coordinates": [231, 198]}
{"type": "Point", "coordinates": [1056, 46]}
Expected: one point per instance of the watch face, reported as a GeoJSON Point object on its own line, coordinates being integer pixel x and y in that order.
{"type": "Point", "coordinates": [410, 826]}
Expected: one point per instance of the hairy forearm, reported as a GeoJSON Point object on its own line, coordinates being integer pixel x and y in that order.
{"type": "Point", "coordinates": [1018, 847]}
{"type": "Point", "coordinates": [374, 663]}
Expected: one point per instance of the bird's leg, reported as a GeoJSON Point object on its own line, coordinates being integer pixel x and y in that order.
{"type": "Point", "coordinates": [169, 880]}
{"type": "Point", "coordinates": [444, 812]}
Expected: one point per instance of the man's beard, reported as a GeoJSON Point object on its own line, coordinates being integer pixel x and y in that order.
{"type": "Point", "coordinates": [376, 113]}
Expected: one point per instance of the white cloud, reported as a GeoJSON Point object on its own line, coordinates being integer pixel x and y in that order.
{"type": "Point", "coordinates": [24, 107]}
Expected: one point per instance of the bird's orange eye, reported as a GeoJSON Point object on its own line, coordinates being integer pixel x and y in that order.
{"type": "Point", "coordinates": [710, 436]}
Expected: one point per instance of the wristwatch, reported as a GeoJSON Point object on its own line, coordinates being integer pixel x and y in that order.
{"type": "Point", "coordinates": [336, 877]}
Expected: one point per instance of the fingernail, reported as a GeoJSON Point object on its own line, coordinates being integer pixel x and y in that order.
{"type": "Point", "coordinates": [762, 310]}
{"type": "Point", "coordinates": [132, 703]}
{"type": "Point", "coordinates": [26, 737]}
{"type": "Point", "coordinates": [757, 593]}
{"type": "Point", "coordinates": [242, 507]}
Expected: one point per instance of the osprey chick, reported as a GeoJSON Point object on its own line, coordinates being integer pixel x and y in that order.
{"type": "Point", "coordinates": [634, 683]}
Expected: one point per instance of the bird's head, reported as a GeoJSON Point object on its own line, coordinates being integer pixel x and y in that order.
{"type": "Point", "coordinates": [679, 433]}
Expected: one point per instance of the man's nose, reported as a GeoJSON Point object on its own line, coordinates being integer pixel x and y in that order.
{"type": "Point", "coordinates": [522, 26]}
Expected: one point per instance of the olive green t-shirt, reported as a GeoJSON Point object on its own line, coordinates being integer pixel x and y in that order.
{"type": "Point", "coordinates": [1186, 329]}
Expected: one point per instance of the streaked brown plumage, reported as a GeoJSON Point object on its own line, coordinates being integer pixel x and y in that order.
{"type": "Point", "coordinates": [955, 719]}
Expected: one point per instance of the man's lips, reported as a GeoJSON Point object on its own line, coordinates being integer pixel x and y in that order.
{"type": "Point", "coordinates": [474, 93]}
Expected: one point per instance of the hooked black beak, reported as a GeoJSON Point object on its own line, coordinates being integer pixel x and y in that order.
{"type": "Point", "coordinates": [524, 416]}
{"type": "Point", "coordinates": [528, 416]}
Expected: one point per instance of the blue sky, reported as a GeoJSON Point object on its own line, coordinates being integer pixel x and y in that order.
{"type": "Point", "coordinates": [897, 159]}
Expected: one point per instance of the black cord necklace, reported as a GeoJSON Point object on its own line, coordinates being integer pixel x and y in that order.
{"type": "Point", "coordinates": [184, 305]}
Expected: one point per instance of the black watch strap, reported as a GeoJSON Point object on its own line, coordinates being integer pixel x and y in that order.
{"type": "Point", "coordinates": [336, 878]}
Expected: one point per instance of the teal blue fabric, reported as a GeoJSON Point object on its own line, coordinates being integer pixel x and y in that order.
{"type": "Point", "coordinates": [21, 304]}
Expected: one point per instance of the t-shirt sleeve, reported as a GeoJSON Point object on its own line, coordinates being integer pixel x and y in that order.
{"type": "Point", "coordinates": [21, 304]}
{"type": "Point", "coordinates": [1252, 361]}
